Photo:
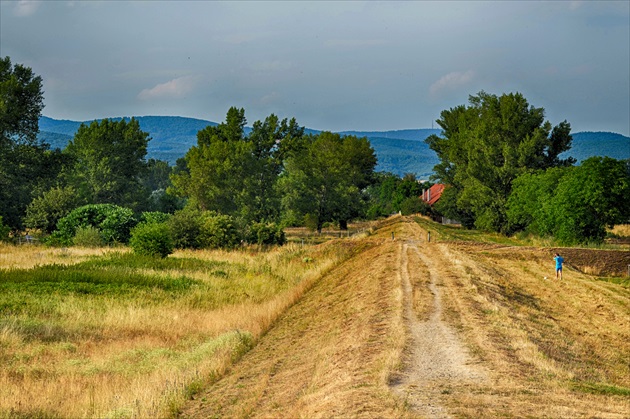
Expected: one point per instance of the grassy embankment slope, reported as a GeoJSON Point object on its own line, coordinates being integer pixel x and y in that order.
{"type": "Point", "coordinates": [531, 347]}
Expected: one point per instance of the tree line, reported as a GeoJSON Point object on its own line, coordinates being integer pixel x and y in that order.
{"type": "Point", "coordinates": [501, 161]}
{"type": "Point", "coordinates": [498, 156]}
{"type": "Point", "coordinates": [101, 182]}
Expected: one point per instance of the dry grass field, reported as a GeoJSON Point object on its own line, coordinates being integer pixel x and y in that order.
{"type": "Point", "coordinates": [101, 333]}
{"type": "Point", "coordinates": [383, 324]}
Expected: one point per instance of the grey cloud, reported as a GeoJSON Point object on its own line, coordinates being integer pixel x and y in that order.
{"type": "Point", "coordinates": [332, 65]}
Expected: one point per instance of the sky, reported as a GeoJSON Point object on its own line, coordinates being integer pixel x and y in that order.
{"type": "Point", "coordinates": [333, 65]}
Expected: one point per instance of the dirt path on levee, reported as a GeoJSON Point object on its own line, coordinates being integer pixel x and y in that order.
{"type": "Point", "coordinates": [436, 360]}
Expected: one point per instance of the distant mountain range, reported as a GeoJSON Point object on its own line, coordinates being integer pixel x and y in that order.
{"type": "Point", "coordinates": [399, 152]}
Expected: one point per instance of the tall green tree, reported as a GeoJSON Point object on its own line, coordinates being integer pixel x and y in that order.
{"type": "Point", "coordinates": [271, 141]}
{"type": "Point", "coordinates": [326, 180]}
{"type": "Point", "coordinates": [217, 166]}
{"type": "Point", "coordinates": [157, 181]}
{"type": "Point", "coordinates": [21, 103]}
{"type": "Point", "coordinates": [530, 205]}
{"type": "Point", "coordinates": [389, 193]}
{"type": "Point", "coordinates": [27, 166]}
{"type": "Point", "coordinates": [108, 162]}
{"type": "Point", "coordinates": [488, 144]}
{"type": "Point", "coordinates": [157, 175]}
{"type": "Point", "coordinates": [591, 197]}
{"type": "Point", "coordinates": [236, 174]}
{"type": "Point", "coordinates": [573, 205]}
{"type": "Point", "coordinates": [46, 210]}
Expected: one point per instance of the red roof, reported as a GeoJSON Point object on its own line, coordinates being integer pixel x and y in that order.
{"type": "Point", "coordinates": [431, 195]}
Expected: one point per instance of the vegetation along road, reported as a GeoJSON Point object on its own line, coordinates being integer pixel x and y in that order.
{"type": "Point", "coordinates": [453, 327]}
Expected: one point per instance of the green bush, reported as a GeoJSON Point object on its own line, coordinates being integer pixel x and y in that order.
{"type": "Point", "coordinates": [4, 230]}
{"type": "Point", "coordinates": [154, 217]}
{"type": "Point", "coordinates": [113, 222]}
{"type": "Point", "coordinates": [196, 229]}
{"type": "Point", "coordinates": [45, 211]}
{"type": "Point", "coordinates": [414, 205]}
{"type": "Point", "coordinates": [185, 226]}
{"type": "Point", "coordinates": [88, 236]}
{"type": "Point", "coordinates": [261, 233]}
{"type": "Point", "coordinates": [219, 231]}
{"type": "Point", "coordinates": [117, 225]}
{"type": "Point", "coordinates": [311, 221]}
{"type": "Point", "coordinates": [151, 239]}
{"type": "Point", "coordinates": [377, 210]}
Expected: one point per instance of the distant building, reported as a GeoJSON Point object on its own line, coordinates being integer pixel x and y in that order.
{"type": "Point", "coordinates": [433, 194]}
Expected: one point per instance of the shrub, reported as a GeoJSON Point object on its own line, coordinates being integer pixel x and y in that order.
{"type": "Point", "coordinates": [88, 236]}
{"type": "Point", "coordinates": [150, 217]}
{"type": "Point", "coordinates": [376, 211]}
{"type": "Point", "coordinates": [46, 210]}
{"type": "Point", "coordinates": [290, 218]}
{"type": "Point", "coordinates": [192, 228]}
{"type": "Point", "coordinates": [219, 231]}
{"type": "Point", "coordinates": [117, 225]}
{"type": "Point", "coordinates": [414, 205]}
{"type": "Point", "coordinates": [113, 222]}
{"type": "Point", "coordinates": [185, 226]}
{"type": "Point", "coordinates": [160, 200]}
{"type": "Point", "coordinates": [261, 233]}
{"type": "Point", "coordinates": [311, 221]}
{"type": "Point", "coordinates": [151, 239]}
{"type": "Point", "coordinates": [4, 230]}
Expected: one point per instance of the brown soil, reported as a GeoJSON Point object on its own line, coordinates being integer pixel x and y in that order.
{"type": "Point", "coordinates": [597, 262]}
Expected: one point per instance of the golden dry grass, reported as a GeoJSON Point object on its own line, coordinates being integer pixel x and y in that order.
{"type": "Point", "coordinates": [331, 345]}
{"type": "Point", "coordinates": [621, 230]}
{"type": "Point", "coordinates": [132, 359]}
{"type": "Point", "coordinates": [557, 349]}
{"type": "Point", "coordinates": [331, 354]}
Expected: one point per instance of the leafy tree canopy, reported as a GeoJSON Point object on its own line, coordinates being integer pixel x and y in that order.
{"type": "Point", "coordinates": [113, 223]}
{"type": "Point", "coordinates": [21, 103]}
{"type": "Point", "coordinates": [107, 162]}
{"type": "Point", "coordinates": [574, 205]}
{"type": "Point", "coordinates": [46, 210]}
{"type": "Point", "coordinates": [325, 181]}
{"type": "Point", "coordinates": [235, 174]}
{"type": "Point", "coordinates": [389, 193]}
{"type": "Point", "coordinates": [488, 144]}
{"type": "Point", "coordinates": [27, 166]}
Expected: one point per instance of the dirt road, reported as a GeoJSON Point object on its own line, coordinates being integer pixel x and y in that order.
{"type": "Point", "coordinates": [408, 328]}
{"type": "Point", "coordinates": [436, 359]}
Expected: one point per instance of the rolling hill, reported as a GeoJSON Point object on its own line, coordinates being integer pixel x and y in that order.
{"type": "Point", "coordinates": [398, 151]}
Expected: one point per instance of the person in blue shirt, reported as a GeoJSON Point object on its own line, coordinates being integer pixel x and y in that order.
{"type": "Point", "coordinates": [559, 261]}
